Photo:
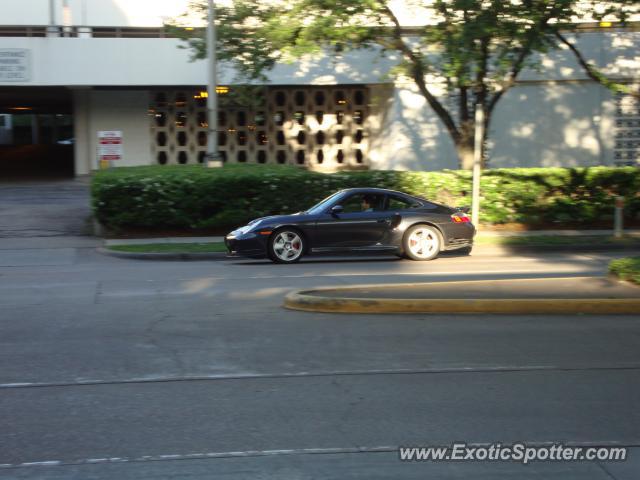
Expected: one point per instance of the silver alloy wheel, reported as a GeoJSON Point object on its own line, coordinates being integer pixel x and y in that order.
{"type": "Point", "coordinates": [423, 242]}
{"type": "Point", "coordinates": [287, 246]}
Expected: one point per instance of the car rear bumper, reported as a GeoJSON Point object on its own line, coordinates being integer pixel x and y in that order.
{"type": "Point", "coordinates": [457, 246]}
{"type": "Point", "coordinates": [459, 236]}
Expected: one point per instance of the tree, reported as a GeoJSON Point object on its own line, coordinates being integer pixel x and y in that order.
{"type": "Point", "coordinates": [475, 48]}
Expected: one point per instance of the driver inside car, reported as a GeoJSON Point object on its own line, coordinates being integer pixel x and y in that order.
{"type": "Point", "coordinates": [366, 205]}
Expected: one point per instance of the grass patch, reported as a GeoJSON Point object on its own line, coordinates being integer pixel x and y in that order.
{"type": "Point", "coordinates": [213, 247]}
{"type": "Point", "coordinates": [551, 240]}
{"type": "Point", "coordinates": [626, 268]}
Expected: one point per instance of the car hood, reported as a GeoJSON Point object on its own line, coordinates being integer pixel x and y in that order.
{"type": "Point", "coordinates": [276, 219]}
{"type": "Point", "coordinates": [270, 221]}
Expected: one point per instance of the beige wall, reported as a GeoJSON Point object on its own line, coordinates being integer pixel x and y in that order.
{"type": "Point", "coordinates": [125, 110]}
{"type": "Point", "coordinates": [538, 124]}
{"type": "Point", "coordinates": [535, 124]}
{"type": "Point", "coordinates": [410, 135]}
{"type": "Point", "coordinates": [111, 13]}
{"type": "Point", "coordinates": [546, 124]}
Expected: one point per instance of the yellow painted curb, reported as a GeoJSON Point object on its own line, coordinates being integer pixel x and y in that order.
{"type": "Point", "coordinates": [314, 301]}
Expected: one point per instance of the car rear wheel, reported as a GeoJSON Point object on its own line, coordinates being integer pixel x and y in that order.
{"type": "Point", "coordinates": [422, 242]}
{"type": "Point", "coordinates": [286, 246]}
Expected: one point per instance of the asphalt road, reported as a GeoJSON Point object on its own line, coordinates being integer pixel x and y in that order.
{"type": "Point", "coordinates": [113, 368]}
{"type": "Point", "coordinates": [44, 208]}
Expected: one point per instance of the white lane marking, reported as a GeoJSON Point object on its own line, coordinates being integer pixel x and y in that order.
{"type": "Point", "coordinates": [206, 455]}
{"type": "Point", "coordinates": [428, 274]}
{"type": "Point", "coordinates": [257, 376]}
{"type": "Point", "coordinates": [268, 453]}
{"type": "Point", "coordinates": [311, 275]}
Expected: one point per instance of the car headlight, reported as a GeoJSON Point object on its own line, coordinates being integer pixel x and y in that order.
{"type": "Point", "coordinates": [248, 228]}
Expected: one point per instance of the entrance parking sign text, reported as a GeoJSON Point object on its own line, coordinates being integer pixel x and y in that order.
{"type": "Point", "coordinates": [14, 65]}
{"type": "Point", "coordinates": [109, 145]}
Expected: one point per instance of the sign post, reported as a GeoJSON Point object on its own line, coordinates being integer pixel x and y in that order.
{"type": "Point", "coordinates": [109, 147]}
{"type": "Point", "coordinates": [213, 156]}
{"type": "Point", "coordinates": [477, 161]}
{"type": "Point", "coordinates": [617, 218]}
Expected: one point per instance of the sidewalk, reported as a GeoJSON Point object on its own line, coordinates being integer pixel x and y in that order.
{"type": "Point", "coordinates": [156, 240]}
{"type": "Point", "coordinates": [561, 233]}
{"type": "Point", "coordinates": [566, 287]}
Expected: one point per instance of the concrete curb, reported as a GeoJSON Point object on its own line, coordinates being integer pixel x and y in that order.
{"type": "Point", "coordinates": [556, 248]}
{"type": "Point", "coordinates": [111, 242]}
{"type": "Point", "coordinates": [313, 301]}
{"type": "Point", "coordinates": [163, 256]}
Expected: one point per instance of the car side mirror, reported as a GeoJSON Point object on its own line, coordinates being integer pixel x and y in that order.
{"type": "Point", "coordinates": [336, 209]}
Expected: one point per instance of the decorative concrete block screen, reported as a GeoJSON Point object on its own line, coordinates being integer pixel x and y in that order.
{"type": "Point", "coordinates": [627, 144]}
{"type": "Point", "coordinates": [316, 127]}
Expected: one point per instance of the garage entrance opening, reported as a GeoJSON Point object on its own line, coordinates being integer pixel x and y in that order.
{"type": "Point", "coordinates": [36, 133]}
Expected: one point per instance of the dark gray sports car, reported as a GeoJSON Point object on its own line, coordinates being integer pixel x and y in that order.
{"type": "Point", "coordinates": [357, 219]}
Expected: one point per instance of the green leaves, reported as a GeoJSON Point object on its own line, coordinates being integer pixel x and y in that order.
{"type": "Point", "coordinates": [626, 268]}
{"type": "Point", "coordinates": [475, 48]}
{"type": "Point", "coordinates": [193, 197]}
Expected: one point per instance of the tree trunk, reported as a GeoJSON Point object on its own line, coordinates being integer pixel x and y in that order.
{"type": "Point", "coordinates": [464, 145]}
{"type": "Point", "coordinates": [465, 155]}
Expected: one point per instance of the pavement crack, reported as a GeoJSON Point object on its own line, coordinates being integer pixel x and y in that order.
{"type": "Point", "coordinates": [604, 469]}
{"type": "Point", "coordinates": [151, 334]}
{"type": "Point", "coordinates": [96, 296]}
{"type": "Point", "coordinates": [295, 375]}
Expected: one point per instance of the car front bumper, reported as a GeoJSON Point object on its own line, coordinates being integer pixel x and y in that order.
{"type": "Point", "coordinates": [246, 244]}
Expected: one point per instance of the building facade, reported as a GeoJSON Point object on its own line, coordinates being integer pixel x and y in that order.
{"type": "Point", "coordinates": [72, 68]}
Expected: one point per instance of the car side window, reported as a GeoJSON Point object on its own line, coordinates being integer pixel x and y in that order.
{"type": "Point", "coordinates": [398, 203]}
{"type": "Point", "coordinates": [363, 202]}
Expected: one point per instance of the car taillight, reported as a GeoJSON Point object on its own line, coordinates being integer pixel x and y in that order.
{"type": "Point", "coordinates": [460, 218]}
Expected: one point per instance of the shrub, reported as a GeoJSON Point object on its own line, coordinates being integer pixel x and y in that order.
{"type": "Point", "coordinates": [193, 197]}
{"type": "Point", "coordinates": [626, 268]}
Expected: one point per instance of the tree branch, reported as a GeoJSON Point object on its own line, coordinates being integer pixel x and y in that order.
{"type": "Point", "coordinates": [481, 86]}
{"type": "Point", "coordinates": [464, 104]}
{"type": "Point", "coordinates": [593, 73]}
{"type": "Point", "coordinates": [418, 74]}
{"type": "Point", "coordinates": [515, 71]}
{"type": "Point", "coordinates": [519, 62]}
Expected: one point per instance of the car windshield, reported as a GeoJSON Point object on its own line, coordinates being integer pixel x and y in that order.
{"type": "Point", "coordinates": [319, 207]}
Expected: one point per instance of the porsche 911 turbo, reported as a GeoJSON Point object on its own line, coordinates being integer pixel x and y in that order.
{"type": "Point", "coordinates": [357, 220]}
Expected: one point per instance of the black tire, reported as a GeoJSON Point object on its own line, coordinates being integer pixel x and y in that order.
{"type": "Point", "coordinates": [286, 245]}
{"type": "Point", "coordinates": [429, 250]}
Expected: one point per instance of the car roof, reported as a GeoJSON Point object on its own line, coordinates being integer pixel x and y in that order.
{"type": "Point", "coordinates": [422, 200]}
{"type": "Point", "coordinates": [373, 190]}
{"type": "Point", "coordinates": [381, 191]}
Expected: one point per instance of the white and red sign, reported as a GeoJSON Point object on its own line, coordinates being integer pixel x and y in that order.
{"type": "Point", "coordinates": [110, 145]}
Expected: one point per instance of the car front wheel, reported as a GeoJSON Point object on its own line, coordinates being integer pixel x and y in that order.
{"type": "Point", "coordinates": [422, 242]}
{"type": "Point", "coordinates": [286, 246]}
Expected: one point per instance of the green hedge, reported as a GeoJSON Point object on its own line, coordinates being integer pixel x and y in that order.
{"type": "Point", "coordinates": [626, 268]}
{"type": "Point", "coordinates": [193, 197]}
